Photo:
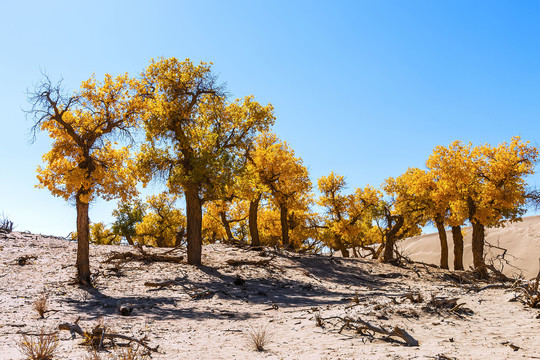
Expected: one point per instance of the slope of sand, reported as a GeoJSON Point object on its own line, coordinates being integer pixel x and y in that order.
{"type": "Point", "coordinates": [520, 239]}
{"type": "Point", "coordinates": [207, 313]}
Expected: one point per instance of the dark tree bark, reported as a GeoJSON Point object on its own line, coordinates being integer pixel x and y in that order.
{"type": "Point", "coordinates": [253, 226]}
{"type": "Point", "coordinates": [444, 244]}
{"type": "Point", "coordinates": [457, 236]}
{"type": "Point", "coordinates": [226, 225]}
{"type": "Point", "coordinates": [478, 248]}
{"type": "Point", "coordinates": [477, 240]}
{"type": "Point", "coordinates": [194, 226]}
{"type": "Point", "coordinates": [341, 247]}
{"type": "Point", "coordinates": [284, 225]}
{"type": "Point", "coordinates": [83, 243]}
{"type": "Point", "coordinates": [388, 254]}
{"type": "Point", "coordinates": [129, 240]}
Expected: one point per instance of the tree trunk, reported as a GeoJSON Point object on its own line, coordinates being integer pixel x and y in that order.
{"type": "Point", "coordinates": [253, 227]}
{"type": "Point", "coordinates": [226, 225]}
{"type": "Point", "coordinates": [457, 236]}
{"type": "Point", "coordinates": [342, 247]}
{"type": "Point", "coordinates": [129, 240]}
{"type": "Point", "coordinates": [388, 254]}
{"type": "Point", "coordinates": [444, 244]}
{"type": "Point", "coordinates": [477, 240]}
{"type": "Point", "coordinates": [83, 244]}
{"type": "Point", "coordinates": [194, 226]}
{"type": "Point", "coordinates": [478, 248]}
{"type": "Point", "coordinates": [284, 225]}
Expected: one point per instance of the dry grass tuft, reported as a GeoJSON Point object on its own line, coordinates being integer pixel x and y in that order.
{"type": "Point", "coordinates": [41, 304]}
{"type": "Point", "coordinates": [39, 347]}
{"type": "Point", "coordinates": [131, 353]}
{"type": "Point", "coordinates": [259, 337]}
{"type": "Point", "coordinates": [93, 355]}
{"type": "Point", "coordinates": [319, 320]}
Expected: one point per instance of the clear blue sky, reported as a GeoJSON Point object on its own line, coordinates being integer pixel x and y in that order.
{"type": "Point", "coordinates": [363, 88]}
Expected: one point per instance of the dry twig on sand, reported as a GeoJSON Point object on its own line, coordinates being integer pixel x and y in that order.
{"type": "Point", "coordinates": [96, 337]}
{"type": "Point", "coordinates": [265, 262]}
{"type": "Point", "coordinates": [144, 256]}
{"type": "Point", "coordinates": [529, 290]}
{"type": "Point", "coordinates": [360, 326]}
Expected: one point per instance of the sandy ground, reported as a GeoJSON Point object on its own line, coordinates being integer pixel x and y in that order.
{"type": "Point", "coordinates": [283, 297]}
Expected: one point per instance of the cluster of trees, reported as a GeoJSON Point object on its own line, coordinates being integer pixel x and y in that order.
{"type": "Point", "coordinates": [240, 182]}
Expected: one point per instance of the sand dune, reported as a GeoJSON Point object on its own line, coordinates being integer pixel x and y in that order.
{"type": "Point", "coordinates": [520, 239]}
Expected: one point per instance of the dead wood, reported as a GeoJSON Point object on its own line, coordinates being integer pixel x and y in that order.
{"type": "Point", "coordinates": [23, 260]}
{"type": "Point", "coordinates": [529, 291]}
{"type": "Point", "coordinates": [414, 297]}
{"type": "Point", "coordinates": [161, 284]}
{"type": "Point", "coordinates": [202, 294]}
{"type": "Point", "coordinates": [490, 286]}
{"type": "Point", "coordinates": [444, 303]}
{"type": "Point", "coordinates": [144, 256]}
{"type": "Point", "coordinates": [99, 334]}
{"type": "Point", "coordinates": [511, 345]}
{"type": "Point", "coordinates": [360, 325]}
{"type": "Point", "coordinates": [265, 262]}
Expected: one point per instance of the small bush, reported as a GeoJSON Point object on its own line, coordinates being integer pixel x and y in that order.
{"type": "Point", "coordinates": [93, 355]}
{"type": "Point", "coordinates": [39, 347]}
{"type": "Point", "coordinates": [259, 338]}
{"type": "Point", "coordinates": [41, 305]}
{"type": "Point", "coordinates": [6, 225]}
{"type": "Point", "coordinates": [319, 320]}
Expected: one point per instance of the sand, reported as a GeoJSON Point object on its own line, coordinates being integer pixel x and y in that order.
{"type": "Point", "coordinates": [520, 239]}
{"type": "Point", "coordinates": [284, 297]}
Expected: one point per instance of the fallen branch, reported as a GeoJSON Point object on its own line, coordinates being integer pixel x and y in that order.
{"type": "Point", "coordinates": [98, 334]}
{"type": "Point", "coordinates": [202, 294]}
{"type": "Point", "coordinates": [360, 325]}
{"type": "Point", "coordinates": [530, 291]}
{"type": "Point", "coordinates": [144, 256]}
{"type": "Point", "coordinates": [491, 286]}
{"type": "Point", "coordinates": [265, 262]}
{"type": "Point", "coordinates": [161, 284]}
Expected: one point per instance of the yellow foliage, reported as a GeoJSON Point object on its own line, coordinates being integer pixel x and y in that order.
{"type": "Point", "coordinates": [100, 234]}
{"type": "Point", "coordinates": [83, 161]}
{"type": "Point", "coordinates": [235, 213]}
{"type": "Point", "coordinates": [483, 183]}
{"type": "Point", "coordinates": [195, 138]}
{"type": "Point", "coordinates": [348, 219]}
{"type": "Point", "coordinates": [163, 225]}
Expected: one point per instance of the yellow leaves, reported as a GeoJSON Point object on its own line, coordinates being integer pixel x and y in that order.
{"type": "Point", "coordinates": [277, 167]}
{"type": "Point", "coordinates": [193, 134]}
{"type": "Point", "coordinates": [484, 181]}
{"type": "Point", "coordinates": [83, 161]}
{"type": "Point", "coordinates": [164, 224]}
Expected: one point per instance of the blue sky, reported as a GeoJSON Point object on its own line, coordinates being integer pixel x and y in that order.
{"type": "Point", "coordinates": [363, 88]}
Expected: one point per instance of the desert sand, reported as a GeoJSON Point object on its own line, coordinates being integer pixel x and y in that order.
{"type": "Point", "coordinates": [520, 239]}
{"type": "Point", "coordinates": [207, 312]}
